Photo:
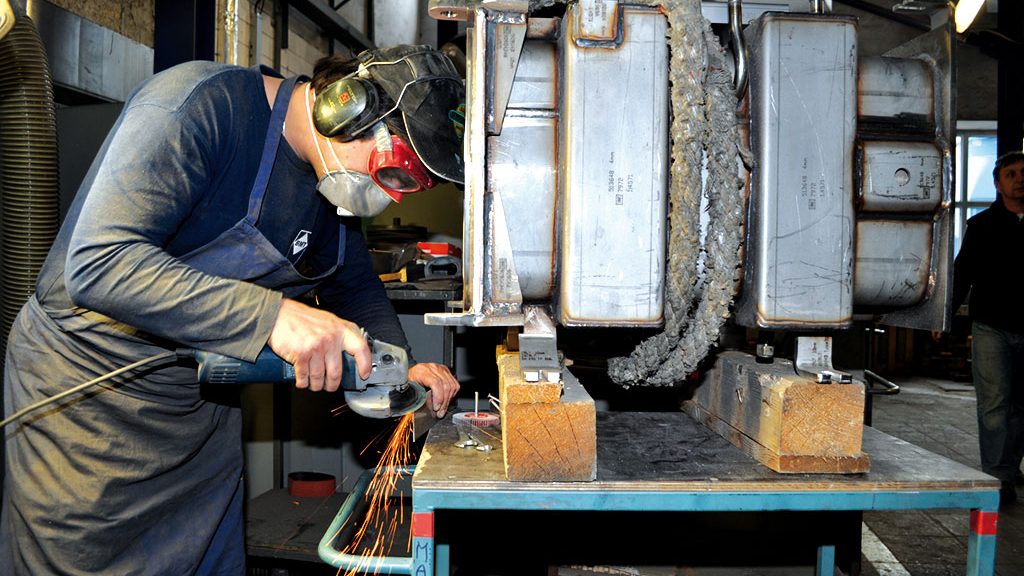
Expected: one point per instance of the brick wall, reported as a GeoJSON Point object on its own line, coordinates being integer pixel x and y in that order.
{"type": "Point", "coordinates": [130, 18]}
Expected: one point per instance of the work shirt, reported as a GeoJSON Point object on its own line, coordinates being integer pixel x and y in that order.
{"type": "Point", "coordinates": [204, 125]}
{"type": "Point", "coordinates": [142, 475]}
{"type": "Point", "coordinates": [990, 266]}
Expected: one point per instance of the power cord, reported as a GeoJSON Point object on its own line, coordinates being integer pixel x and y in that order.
{"type": "Point", "coordinates": [84, 385]}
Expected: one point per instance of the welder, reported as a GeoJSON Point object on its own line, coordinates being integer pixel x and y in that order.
{"type": "Point", "coordinates": [221, 214]}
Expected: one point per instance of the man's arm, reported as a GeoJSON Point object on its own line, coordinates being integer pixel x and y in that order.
{"type": "Point", "coordinates": [357, 294]}
{"type": "Point", "coordinates": [158, 166]}
{"type": "Point", "coordinates": [963, 267]}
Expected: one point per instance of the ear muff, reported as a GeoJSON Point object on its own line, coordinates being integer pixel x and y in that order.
{"type": "Point", "coordinates": [345, 107]}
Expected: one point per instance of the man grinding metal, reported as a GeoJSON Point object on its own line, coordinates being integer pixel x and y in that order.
{"type": "Point", "coordinates": [220, 197]}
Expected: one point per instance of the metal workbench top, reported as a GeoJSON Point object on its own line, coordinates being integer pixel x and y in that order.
{"type": "Point", "coordinates": [667, 462]}
{"type": "Point", "coordinates": [670, 452]}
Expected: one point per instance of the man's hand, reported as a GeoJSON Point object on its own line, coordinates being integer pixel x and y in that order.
{"type": "Point", "coordinates": [312, 341]}
{"type": "Point", "coordinates": [442, 384]}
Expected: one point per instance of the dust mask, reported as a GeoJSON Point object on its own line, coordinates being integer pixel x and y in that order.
{"type": "Point", "coordinates": [353, 193]}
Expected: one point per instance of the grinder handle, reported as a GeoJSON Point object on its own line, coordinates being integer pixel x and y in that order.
{"type": "Point", "coordinates": [268, 368]}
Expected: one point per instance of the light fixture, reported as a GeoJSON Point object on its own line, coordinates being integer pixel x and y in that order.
{"type": "Point", "coordinates": [6, 18]}
{"type": "Point", "coordinates": [966, 11]}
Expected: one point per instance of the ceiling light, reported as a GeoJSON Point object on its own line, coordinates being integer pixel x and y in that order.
{"type": "Point", "coordinates": [966, 11]}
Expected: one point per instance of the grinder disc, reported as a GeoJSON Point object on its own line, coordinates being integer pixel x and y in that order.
{"type": "Point", "coordinates": [386, 401]}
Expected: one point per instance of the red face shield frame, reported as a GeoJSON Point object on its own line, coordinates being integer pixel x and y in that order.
{"type": "Point", "coordinates": [398, 171]}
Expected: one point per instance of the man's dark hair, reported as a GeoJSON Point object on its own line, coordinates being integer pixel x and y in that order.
{"type": "Point", "coordinates": [331, 68]}
{"type": "Point", "coordinates": [1005, 160]}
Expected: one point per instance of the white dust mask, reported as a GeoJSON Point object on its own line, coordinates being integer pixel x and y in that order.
{"type": "Point", "coordinates": [353, 193]}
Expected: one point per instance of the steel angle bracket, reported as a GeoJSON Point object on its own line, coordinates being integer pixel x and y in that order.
{"type": "Point", "coordinates": [504, 23]}
{"type": "Point", "coordinates": [491, 293]}
{"type": "Point", "coordinates": [814, 360]}
{"type": "Point", "coordinates": [506, 32]}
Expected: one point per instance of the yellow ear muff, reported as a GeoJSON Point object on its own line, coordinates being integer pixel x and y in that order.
{"type": "Point", "coordinates": [346, 106]}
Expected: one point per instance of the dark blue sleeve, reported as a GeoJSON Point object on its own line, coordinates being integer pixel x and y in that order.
{"type": "Point", "coordinates": [356, 293]}
{"type": "Point", "coordinates": [159, 164]}
{"type": "Point", "coordinates": [963, 266]}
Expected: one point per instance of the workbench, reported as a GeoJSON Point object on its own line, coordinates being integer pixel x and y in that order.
{"type": "Point", "coordinates": [665, 465]}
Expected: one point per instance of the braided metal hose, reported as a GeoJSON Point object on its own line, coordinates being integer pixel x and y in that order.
{"type": "Point", "coordinates": [704, 126]}
{"type": "Point", "coordinates": [725, 228]}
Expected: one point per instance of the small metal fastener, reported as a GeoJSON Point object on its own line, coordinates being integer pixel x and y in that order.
{"type": "Point", "coordinates": [466, 440]}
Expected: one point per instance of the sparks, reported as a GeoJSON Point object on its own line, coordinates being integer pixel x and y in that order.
{"type": "Point", "coordinates": [381, 516]}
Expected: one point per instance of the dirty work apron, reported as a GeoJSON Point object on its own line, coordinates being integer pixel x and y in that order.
{"type": "Point", "coordinates": [143, 477]}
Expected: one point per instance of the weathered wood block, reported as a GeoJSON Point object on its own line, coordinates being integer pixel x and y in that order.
{"type": "Point", "coordinates": [546, 436]}
{"type": "Point", "coordinates": [787, 422]}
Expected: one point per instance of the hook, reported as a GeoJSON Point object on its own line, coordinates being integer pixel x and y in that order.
{"type": "Point", "coordinates": [738, 46]}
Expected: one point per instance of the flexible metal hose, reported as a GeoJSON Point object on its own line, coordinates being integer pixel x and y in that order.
{"type": "Point", "coordinates": [704, 129]}
{"type": "Point", "coordinates": [28, 166]}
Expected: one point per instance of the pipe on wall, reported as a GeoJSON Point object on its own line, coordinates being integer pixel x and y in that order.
{"type": "Point", "coordinates": [30, 205]}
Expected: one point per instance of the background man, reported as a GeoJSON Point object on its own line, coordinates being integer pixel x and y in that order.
{"type": "Point", "coordinates": [990, 266]}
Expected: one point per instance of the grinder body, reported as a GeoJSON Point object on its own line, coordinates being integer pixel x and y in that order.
{"type": "Point", "coordinates": [385, 393]}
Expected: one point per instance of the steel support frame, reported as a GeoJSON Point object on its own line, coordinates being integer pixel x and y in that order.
{"type": "Point", "coordinates": [432, 558]}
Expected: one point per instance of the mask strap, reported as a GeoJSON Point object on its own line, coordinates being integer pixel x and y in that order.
{"type": "Point", "coordinates": [312, 131]}
{"type": "Point", "coordinates": [382, 137]}
{"type": "Point", "coordinates": [335, 156]}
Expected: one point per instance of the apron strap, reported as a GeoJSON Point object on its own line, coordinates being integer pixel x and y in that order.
{"type": "Point", "coordinates": [270, 144]}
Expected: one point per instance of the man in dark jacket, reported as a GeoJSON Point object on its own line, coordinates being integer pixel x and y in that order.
{"type": "Point", "coordinates": [989, 267]}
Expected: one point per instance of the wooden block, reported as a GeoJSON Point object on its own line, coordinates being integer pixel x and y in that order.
{"type": "Point", "coordinates": [787, 422]}
{"type": "Point", "coordinates": [546, 441]}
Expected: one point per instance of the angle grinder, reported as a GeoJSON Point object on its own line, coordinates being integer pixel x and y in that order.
{"type": "Point", "coordinates": [386, 393]}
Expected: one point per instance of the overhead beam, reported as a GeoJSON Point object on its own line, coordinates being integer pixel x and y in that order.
{"type": "Point", "coordinates": [333, 24]}
{"type": "Point", "coordinates": [886, 13]}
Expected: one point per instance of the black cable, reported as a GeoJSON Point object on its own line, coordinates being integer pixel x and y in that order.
{"type": "Point", "coordinates": [84, 385]}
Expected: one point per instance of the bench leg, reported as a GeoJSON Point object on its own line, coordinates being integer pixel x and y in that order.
{"type": "Point", "coordinates": [826, 560]}
{"type": "Point", "coordinates": [981, 544]}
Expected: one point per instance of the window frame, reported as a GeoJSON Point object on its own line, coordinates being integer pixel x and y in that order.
{"type": "Point", "coordinates": [962, 207]}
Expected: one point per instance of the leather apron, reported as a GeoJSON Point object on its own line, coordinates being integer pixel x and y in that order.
{"type": "Point", "coordinates": [141, 475]}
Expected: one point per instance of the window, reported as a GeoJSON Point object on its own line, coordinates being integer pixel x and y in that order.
{"type": "Point", "coordinates": [975, 156]}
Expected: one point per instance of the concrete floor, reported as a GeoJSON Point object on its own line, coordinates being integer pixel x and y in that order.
{"type": "Point", "coordinates": [938, 416]}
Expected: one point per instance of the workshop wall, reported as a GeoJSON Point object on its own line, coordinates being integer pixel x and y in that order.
{"type": "Point", "coordinates": [395, 22]}
{"type": "Point", "coordinates": [130, 18]}
{"type": "Point", "coordinates": [237, 30]}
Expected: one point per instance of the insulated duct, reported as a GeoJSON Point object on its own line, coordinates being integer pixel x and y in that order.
{"type": "Point", "coordinates": [28, 166]}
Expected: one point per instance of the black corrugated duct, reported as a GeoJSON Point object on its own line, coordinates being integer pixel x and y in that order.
{"type": "Point", "coordinates": [29, 195]}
